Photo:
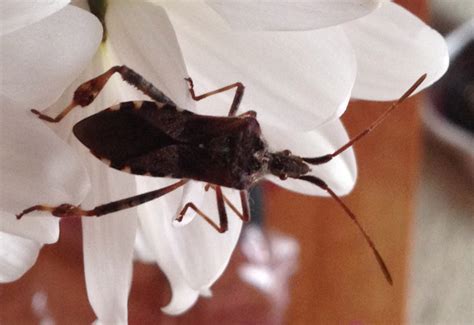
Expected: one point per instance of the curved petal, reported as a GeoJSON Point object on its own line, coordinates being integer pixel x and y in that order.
{"type": "Point", "coordinates": [16, 14]}
{"type": "Point", "coordinates": [147, 43]}
{"type": "Point", "coordinates": [201, 252]}
{"type": "Point", "coordinates": [17, 255]}
{"type": "Point", "coordinates": [107, 241]}
{"type": "Point", "coordinates": [293, 79]}
{"type": "Point", "coordinates": [394, 48]}
{"type": "Point", "coordinates": [143, 251]}
{"type": "Point", "coordinates": [108, 250]}
{"type": "Point", "coordinates": [340, 173]}
{"type": "Point", "coordinates": [154, 224]}
{"type": "Point", "coordinates": [36, 168]}
{"type": "Point", "coordinates": [108, 244]}
{"type": "Point", "coordinates": [198, 249]}
{"type": "Point", "coordinates": [291, 15]}
{"type": "Point", "coordinates": [44, 230]}
{"type": "Point", "coordinates": [39, 61]}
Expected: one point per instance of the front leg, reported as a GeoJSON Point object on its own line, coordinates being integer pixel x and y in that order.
{"type": "Point", "coordinates": [239, 93]}
{"type": "Point", "coordinates": [223, 221]}
{"type": "Point", "coordinates": [88, 91]}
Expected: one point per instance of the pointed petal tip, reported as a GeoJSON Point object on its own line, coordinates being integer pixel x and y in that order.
{"type": "Point", "coordinates": [180, 304]}
{"type": "Point", "coordinates": [206, 293]}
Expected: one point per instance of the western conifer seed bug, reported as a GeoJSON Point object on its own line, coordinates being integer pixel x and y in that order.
{"type": "Point", "coordinates": [160, 139]}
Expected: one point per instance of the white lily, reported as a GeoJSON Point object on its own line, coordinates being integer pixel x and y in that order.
{"type": "Point", "coordinates": [299, 79]}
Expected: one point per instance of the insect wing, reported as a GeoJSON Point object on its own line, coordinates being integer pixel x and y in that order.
{"type": "Point", "coordinates": [128, 130]}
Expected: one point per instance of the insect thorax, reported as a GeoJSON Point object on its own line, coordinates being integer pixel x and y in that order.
{"type": "Point", "coordinates": [234, 158]}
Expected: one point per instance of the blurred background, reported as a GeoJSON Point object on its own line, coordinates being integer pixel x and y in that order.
{"type": "Point", "coordinates": [310, 265]}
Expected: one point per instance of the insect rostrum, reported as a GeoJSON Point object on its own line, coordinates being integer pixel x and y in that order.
{"type": "Point", "coordinates": [158, 138]}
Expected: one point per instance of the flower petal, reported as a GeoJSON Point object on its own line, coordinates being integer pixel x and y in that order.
{"type": "Point", "coordinates": [291, 15]}
{"type": "Point", "coordinates": [108, 244]}
{"type": "Point", "coordinates": [293, 79]}
{"type": "Point", "coordinates": [33, 158]}
{"type": "Point", "coordinates": [147, 44]}
{"type": "Point", "coordinates": [16, 14]}
{"type": "Point", "coordinates": [17, 255]}
{"type": "Point", "coordinates": [394, 48]}
{"type": "Point", "coordinates": [143, 250]}
{"type": "Point", "coordinates": [340, 173]}
{"type": "Point", "coordinates": [154, 224]}
{"type": "Point", "coordinates": [39, 61]}
{"type": "Point", "coordinates": [203, 253]}
{"type": "Point", "coordinates": [107, 241]}
{"type": "Point", "coordinates": [200, 251]}
{"type": "Point", "coordinates": [44, 230]}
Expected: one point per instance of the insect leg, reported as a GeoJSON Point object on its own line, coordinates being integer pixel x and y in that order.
{"type": "Point", "coordinates": [326, 158]}
{"type": "Point", "coordinates": [321, 184]}
{"type": "Point", "coordinates": [88, 91]}
{"type": "Point", "coordinates": [223, 222]}
{"type": "Point", "coordinates": [244, 199]}
{"type": "Point", "coordinates": [69, 210]}
{"type": "Point", "coordinates": [239, 93]}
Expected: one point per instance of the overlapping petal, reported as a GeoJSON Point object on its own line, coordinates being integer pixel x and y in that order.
{"type": "Point", "coordinates": [108, 245]}
{"type": "Point", "coordinates": [198, 249]}
{"type": "Point", "coordinates": [340, 173]}
{"type": "Point", "coordinates": [128, 43]}
{"type": "Point", "coordinates": [394, 48]}
{"type": "Point", "coordinates": [107, 241]}
{"type": "Point", "coordinates": [29, 75]}
{"type": "Point", "coordinates": [291, 80]}
{"type": "Point", "coordinates": [43, 230]}
{"type": "Point", "coordinates": [288, 15]}
{"type": "Point", "coordinates": [155, 223]}
{"type": "Point", "coordinates": [147, 44]}
{"type": "Point", "coordinates": [33, 159]}
{"type": "Point", "coordinates": [16, 14]}
{"type": "Point", "coordinates": [17, 255]}
{"type": "Point", "coordinates": [36, 167]}
{"type": "Point", "coordinates": [161, 52]}
{"type": "Point", "coordinates": [203, 253]}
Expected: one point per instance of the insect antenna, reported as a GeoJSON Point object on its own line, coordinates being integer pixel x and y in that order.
{"type": "Point", "coordinates": [326, 158]}
{"type": "Point", "coordinates": [320, 183]}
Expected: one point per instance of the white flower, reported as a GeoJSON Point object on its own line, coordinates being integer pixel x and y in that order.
{"type": "Point", "coordinates": [303, 80]}
{"type": "Point", "coordinates": [298, 78]}
{"type": "Point", "coordinates": [35, 165]}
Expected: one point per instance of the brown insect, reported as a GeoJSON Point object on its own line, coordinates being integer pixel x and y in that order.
{"type": "Point", "coordinates": [158, 138]}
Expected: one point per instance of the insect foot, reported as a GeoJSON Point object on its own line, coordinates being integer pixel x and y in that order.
{"type": "Point", "coordinates": [190, 82]}
{"type": "Point", "coordinates": [61, 211]}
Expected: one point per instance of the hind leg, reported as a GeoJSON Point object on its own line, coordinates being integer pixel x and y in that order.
{"type": "Point", "coordinates": [88, 91]}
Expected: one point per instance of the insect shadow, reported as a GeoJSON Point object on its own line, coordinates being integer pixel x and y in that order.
{"type": "Point", "coordinates": [158, 138]}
